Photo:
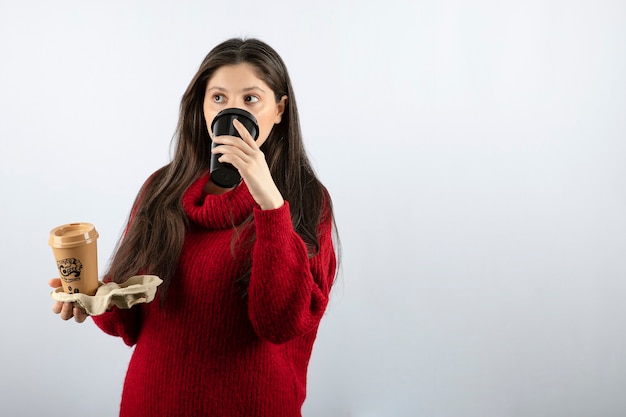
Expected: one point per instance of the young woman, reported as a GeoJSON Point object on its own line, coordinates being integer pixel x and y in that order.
{"type": "Point", "coordinates": [246, 271]}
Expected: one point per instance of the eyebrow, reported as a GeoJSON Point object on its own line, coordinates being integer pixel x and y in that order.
{"type": "Point", "coordinates": [245, 90]}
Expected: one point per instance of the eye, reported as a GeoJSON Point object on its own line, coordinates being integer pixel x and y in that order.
{"type": "Point", "coordinates": [251, 99]}
{"type": "Point", "coordinates": [218, 98]}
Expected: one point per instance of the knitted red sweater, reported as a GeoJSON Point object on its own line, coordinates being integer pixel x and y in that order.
{"type": "Point", "coordinates": [210, 352]}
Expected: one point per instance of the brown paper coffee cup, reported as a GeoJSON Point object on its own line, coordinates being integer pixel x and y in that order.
{"type": "Point", "coordinates": [75, 250]}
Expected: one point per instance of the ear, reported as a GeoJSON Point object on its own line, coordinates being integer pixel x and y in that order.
{"type": "Point", "coordinates": [281, 109]}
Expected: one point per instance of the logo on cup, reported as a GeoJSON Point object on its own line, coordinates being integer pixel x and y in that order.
{"type": "Point", "coordinates": [68, 267]}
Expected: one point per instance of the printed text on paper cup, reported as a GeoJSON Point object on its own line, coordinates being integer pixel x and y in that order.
{"type": "Point", "coordinates": [70, 268]}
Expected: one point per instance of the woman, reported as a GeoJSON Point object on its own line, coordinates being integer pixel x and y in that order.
{"type": "Point", "coordinates": [246, 271]}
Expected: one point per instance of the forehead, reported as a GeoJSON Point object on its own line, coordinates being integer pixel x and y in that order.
{"type": "Point", "coordinates": [238, 75]}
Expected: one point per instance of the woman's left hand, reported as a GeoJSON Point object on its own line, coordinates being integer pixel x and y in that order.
{"type": "Point", "coordinates": [245, 155]}
{"type": "Point", "coordinates": [66, 310]}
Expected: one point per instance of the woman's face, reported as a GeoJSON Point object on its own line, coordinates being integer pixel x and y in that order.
{"type": "Point", "coordinates": [238, 86]}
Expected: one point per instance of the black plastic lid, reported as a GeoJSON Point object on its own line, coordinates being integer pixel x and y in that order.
{"type": "Point", "coordinates": [235, 111]}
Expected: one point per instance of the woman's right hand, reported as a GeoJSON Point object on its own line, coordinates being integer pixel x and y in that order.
{"type": "Point", "coordinates": [66, 310]}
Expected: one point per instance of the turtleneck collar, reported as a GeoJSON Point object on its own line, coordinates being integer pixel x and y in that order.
{"type": "Point", "coordinates": [217, 211]}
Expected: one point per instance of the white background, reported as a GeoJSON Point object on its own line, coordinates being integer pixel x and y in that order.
{"type": "Point", "coordinates": [475, 152]}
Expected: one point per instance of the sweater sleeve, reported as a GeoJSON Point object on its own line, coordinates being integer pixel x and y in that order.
{"type": "Point", "coordinates": [124, 323]}
{"type": "Point", "coordinates": [288, 291]}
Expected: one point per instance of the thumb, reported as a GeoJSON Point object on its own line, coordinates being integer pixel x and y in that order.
{"type": "Point", "coordinates": [54, 282]}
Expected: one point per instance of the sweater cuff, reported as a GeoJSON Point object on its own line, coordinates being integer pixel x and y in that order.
{"type": "Point", "coordinates": [120, 322]}
{"type": "Point", "coordinates": [269, 221]}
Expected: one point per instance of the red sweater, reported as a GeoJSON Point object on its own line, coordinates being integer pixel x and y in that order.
{"type": "Point", "coordinates": [208, 351]}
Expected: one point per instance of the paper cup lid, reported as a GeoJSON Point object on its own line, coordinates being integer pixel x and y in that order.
{"type": "Point", "coordinates": [72, 234]}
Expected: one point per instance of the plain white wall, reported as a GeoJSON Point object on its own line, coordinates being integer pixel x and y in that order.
{"type": "Point", "coordinates": [475, 152]}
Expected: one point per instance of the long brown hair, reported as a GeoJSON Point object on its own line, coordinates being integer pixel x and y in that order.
{"type": "Point", "coordinates": [154, 238]}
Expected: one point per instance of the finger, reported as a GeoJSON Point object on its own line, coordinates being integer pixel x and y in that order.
{"type": "Point", "coordinates": [57, 307]}
{"type": "Point", "coordinates": [228, 144]}
{"type": "Point", "coordinates": [231, 141]}
{"type": "Point", "coordinates": [54, 282]}
{"type": "Point", "coordinates": [67, 311]}
{"type": "Point", "coordinates": [79, 315]}
{"type": "Point", "coordinates": [222, 139]}
{"type": "Point", "coordinates": [233, 151]}
{"type": "Point", "coordinates": [227, 141]}
{"type": "Point", "coordinates": [245, 135]}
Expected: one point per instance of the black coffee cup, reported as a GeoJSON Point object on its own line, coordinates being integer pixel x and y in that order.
{"type": "Point", "coordinates": [223, 174]}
